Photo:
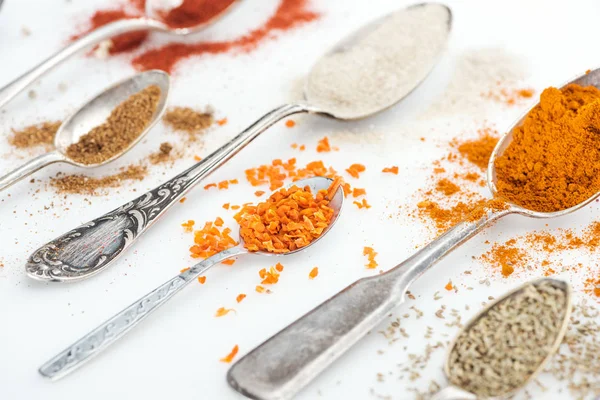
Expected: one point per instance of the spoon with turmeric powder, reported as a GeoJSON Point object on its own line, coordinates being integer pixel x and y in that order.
{"type": "Point", "coordinates": [106, 127]}
{"type": "Point", "coordinates": [547, 165]}
{"type": "Point", "coordinates": [290, 220]}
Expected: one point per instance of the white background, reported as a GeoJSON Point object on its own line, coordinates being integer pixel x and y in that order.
{"type": "Point", "coordinates": [176, 352]}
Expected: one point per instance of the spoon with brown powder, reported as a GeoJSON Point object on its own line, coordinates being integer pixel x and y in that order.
{"type": "Point", "coordinates": [285, 363]}
{"type": "Point", "coordinates": [106, 127]}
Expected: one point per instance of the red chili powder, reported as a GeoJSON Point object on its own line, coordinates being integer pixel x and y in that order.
{"type": "Point", "coordinates": [194, 12]}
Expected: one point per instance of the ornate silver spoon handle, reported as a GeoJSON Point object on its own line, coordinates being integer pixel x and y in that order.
{"type": "Point", "coordinates": [116, 327]}
{"type": "Point", "coordinates": [281, 366]}
{"type": "Point", "coordinates": [91, 247]}
{"type": "Point", "coordinates": [107, 31]}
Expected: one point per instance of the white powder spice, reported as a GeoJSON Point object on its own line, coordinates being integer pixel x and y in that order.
{"type": "Point", "coordinates": [373, 73]}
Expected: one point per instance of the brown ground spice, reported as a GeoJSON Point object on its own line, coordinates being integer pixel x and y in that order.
{"type": "Point", "coordinates": [124, 125]}
{"type": "Point", "coordinates": [188, 120]}
{"type": "Point", "coordinates": [164, 154]}
{"type": "Point", "coordinates": [34, 135]}
{"type": "Point", "coordinates": [82, 184]}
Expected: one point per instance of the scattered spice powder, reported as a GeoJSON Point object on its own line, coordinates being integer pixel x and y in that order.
{"type": "Point", "coordinates": [553, 160]}
{"type": "Point", "coordinates": [240, 297]}
{"type": "Point", "coordinates": [391, 170]}
{"type": "Point", "coordinates": [82, 184]}
{"type": "Point", "coordinates": [123, 126]}
{"type": "Point", "coordinates": [182, 200]}
{"type": "Point", "coordinates": [185, 119]}
{"type": "Point", "coordinates": [229, 357]}
{"type": "Point", "coordinates": [370, 253]}
{"type": "Point", "coordinates": [222, 121]}
{"type": "Point", "coordinates": [478, 151]}
{"type": "Point", "coordinates": [447, 187]}
{"type": "Point", "coordinates": [162, 155]}
{"type": "Point", "coordinates": [34, 135]}
{"type": "Point", "coordinates": [313, 273]}
{"type": "Point", "coordinates": [193, 12]}
{"type": "Point", "coordinates": [288, 220]}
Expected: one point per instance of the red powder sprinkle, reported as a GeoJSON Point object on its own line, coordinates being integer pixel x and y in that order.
{"type": "Point", "coordinates": [202, 279]}
{"type": "Point", "coordinates": [290, 123]}
{"type": "Point", "coordinates": [313, 273]}
{"type": "Point", "coordinates": [391, 170]}
{"type": "Point", "coordinates": [222, 122]}
{"type": "Point", "coordinates": [193, 12]}
{"type": "Point", "coordinates": [240, 297]}
{"type": "Point", "coordinates": [229, 357]}
{"type": "Point", "coordinates": [289, 14]}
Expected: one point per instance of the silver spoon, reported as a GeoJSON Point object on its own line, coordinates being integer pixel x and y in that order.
{"type": "Point", "coordinates": [453, 392]}
{"type": "Point", "coordinates": [90, 115]}
{"type": "Point", "coordinates": [280, 367]}
{"type": "Point", "coordinates": [147, 23]}
{"type": "Point", "coordinates": [117, 326]}
{"type": "Point", "coordinates": [88, 249]}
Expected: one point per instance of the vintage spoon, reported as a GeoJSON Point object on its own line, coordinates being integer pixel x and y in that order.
{"type": "Point", "coordinates": [149, 23]}
{"type": "Point", "coordinates": [117, 326]}
{"type": "Point", "coordinates": [453, 392]}
{"type": "Point", "coordinates": [90, 115]}
{"type": "Point", "coordinates": [280, 367]}
{"type": "Point", "coordinates": [90, 248]}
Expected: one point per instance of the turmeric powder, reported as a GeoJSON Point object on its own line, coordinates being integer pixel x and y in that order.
{"type": "Point", "coordinates": [553, 161]}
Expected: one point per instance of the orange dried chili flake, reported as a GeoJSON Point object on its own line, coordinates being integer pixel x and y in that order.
{"type": "Point", "coordinates": [233, 181]}
{"type": "Point", "coordinates": [235, 207]}
{"type": "Point", "coordinates": [240, 297]}
{"type": "Point", "coordinates": [290, 123]}
{"type": "Point", "coordinates": [222, 311]}
{"type": "Point", "coordinates": [260, 289]}
{"type": "Point", "coordinates": [278, 171]}
{"type": "Point", "coordinates": [206, 187]}
{"type": "Point", "coordinates": [323, 145]}
{"type": "Point", "coordinates": [259, 193]}
{"type": "Point", "coordinates": [355, 169]}
{"type": "Point", "coordinates": [279, 267]}
{"type": "Point", "coordinates": [223, 185]}
{"type": "Point", "coordinates": [370, 253]}
{"type": "Point", "coordinates": [449, 286]}
{"type": "Point", "coordinates": [188, 226]}
{"type": "Point", "coordinates": [226, 206]}
{"type": "Point", "coordinates": [219, 222]}
{"type": "Point", "coordinates": [183, 270]}
{"type": "Point", "coordinates": [228, 262]}
{"type": "Point", "coordinates": [182, 200]}
{"type": "Point", "coordinates": [222, 121]}
{"type": "Point", "coordinates": [202, 279]}
{"type": "Point", "coordinates": [197, 158]}
{"type": "Point", "coordinates": [362, 204]}
{"type": "Point", "coordinates": [262, 273]}
{"type": "Point", "coordinates": [313, 273]}
{"type": "Point", "coordinates": [391, 170]}
{"type": "Point", "coordinates": [269, 277]}
{"type": "Point", "coordinates": [358, 192]}
{"type": "Point", "coordinates": [229, 357]}
{"type": "Point", "coordinates": [302, 147]}
{"type": "Point", "coordinates": [288, 220]}
{"type": "Point", "coordinates": [210, 240]}
{"type": "Point", "coordinates": [347, 189]}
{"type": "Point", "coordinates": [294, 146]}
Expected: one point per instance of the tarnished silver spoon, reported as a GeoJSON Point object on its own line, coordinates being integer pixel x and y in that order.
{"type": "Point", "coordinates": [280, 367]}
{"type": "Point", "coordinates": [88, 249]}
{"type": "Point", "coordinates": [148, 23]}
{"type": "Point", "coordinates": [111, 330]}
{"type": "Point", "coordinates": [90, 115]}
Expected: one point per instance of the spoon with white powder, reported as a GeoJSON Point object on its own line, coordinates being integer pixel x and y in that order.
{"type": "Point", "coordinates": [369, 71]}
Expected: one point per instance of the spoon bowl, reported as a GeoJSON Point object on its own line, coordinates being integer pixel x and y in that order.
{"type": "Point", "coordinates": [98, 339]}
{"type": "Point", "coordinates": [154, 13]}
{"type": "Point", "coordinates": [90, 115]}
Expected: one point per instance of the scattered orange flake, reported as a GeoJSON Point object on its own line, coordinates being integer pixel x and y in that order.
{"type": "Point", "coordinates": [323, 145]}
{"type": "Point", "coordinates": [525, 93]}
{"type": "Point", "coordinates": [202, 279]}
{"type": "Point", "coordinates": [229, 358]}
{"type": "Point", "coordinates": [355, 169]}
{"type": "Point", "coordinates": [269, 277]}
{"type": "Point", "coordinates": [223, 311]}
{"type": "Point", "coordinates": [370, 253]}
{"type": "Point", "coordinates": [347, 189]}
{"type": "Point", "coordinates": [391, 170]}
{"type": "Point", "coordinates": [188, 226]}
{"type": "Point", "coordinates": [294, 145]}
{"type": "Point", "coordinates": [233, 181]}
{"type": "Point", "coordinates": [362, 204]}
{"type": "Point", "coordinates": [235, 207]}
{"type": "Point", "coordinates": [219, 222]}
{"type": "Point", "coordinates": [222, 121]}
{"type": "Point", "coordinates": [228, 262]}
{"type": "Point", "coordinates": [223, 185]}
{"type": "Point", "coordinates": [262, 273]}
{"type": "Point", "coordinates": [197, 158]}
{"type": "Point", "coordinates": [302, 147]}
{"type": "Point", "coordinates": [278, 171]}
{"type": "Point", "coordinates": [185, 269]}
{"type": "Point", "coordinates": [259, 193]}
{"type": "Point", "coordinates": [240, 297]}
{"type": "Point", "coordinates": [313, 273]}
{"type": "Point", "coordinates": [358, 192]}
{"type": "Point", "coordinates": [210, 185]}
{"type": "Point", "coordinates": [226, 206]}
{"type": "Point", "coordinates": [588, 71]}
{"type": "Point", "coordinates": [210, 240]}
{"type": "Point", "coordinates": [290, 123]}
{"type": "Point", "coordinates": [260, 289]}
{"type": "Point", "coordinates": [449, 286]}
{"type": "Point", "coordinates": [182, 200]}
{"type": "Point", "coordinates": [279, 267]}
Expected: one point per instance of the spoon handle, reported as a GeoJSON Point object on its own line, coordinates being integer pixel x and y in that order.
{"type": "Point", "coordinates": [107, 31]}
{"type": "Point", "coordinates": [281, 366]}
{"type": "Point", "coordinates": [107, 333]}
{"type": "Point", "coordinates": [91, 247]}
{"type": "Point", "coordinates": [30, 167]}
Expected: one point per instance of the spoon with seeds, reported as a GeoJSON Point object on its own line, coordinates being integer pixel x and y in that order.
{"type": "Point", "coordinates": [281, 366]}
{"type": "Point", "coordinates": [369, 71]}
{"type": "Point", "coordinates": [508, 343]}
{"type": "Point", "coordinates": [93, 114]}
{"type": "Point", "coordinates": [117, 326]}
{"type": "Point", "coordinates": [151, 22]}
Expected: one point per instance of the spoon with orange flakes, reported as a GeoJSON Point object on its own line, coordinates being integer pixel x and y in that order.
{"type": "Point", "coordinates": [290, 220]}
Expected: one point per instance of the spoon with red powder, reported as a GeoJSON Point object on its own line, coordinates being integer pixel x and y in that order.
{"type": "Point", "coordinates": [191, 16]}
